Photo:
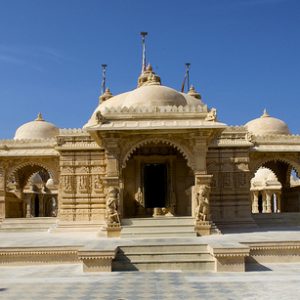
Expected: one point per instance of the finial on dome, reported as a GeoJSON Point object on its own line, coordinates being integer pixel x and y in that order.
{"type": "Point", "coordinates": [265, 114]}
{"type": "Point", "coordinates": [106, 95]}
{"type": "Point", "coordinates": [149, 68]}
{"type": "Point", "coordinates": [192, 92]}
{"type": "Point", "coordinates": [148, 77]}
{"type": "Point", "coordinates": [39, 117]}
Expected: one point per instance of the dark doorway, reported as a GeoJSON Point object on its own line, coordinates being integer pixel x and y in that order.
{"type": "Point", "coordinates": [36, 206]}
{"type": "Point", "coordinates": [155, 185]}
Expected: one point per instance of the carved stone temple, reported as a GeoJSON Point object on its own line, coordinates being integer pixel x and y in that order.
{"type": "Point", "coordinates": [152, 153]}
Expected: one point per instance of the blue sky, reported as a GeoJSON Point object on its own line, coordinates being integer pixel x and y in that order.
{"type": "Point", "coordinates": [244, 55]}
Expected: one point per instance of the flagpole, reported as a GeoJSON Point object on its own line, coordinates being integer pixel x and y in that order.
{"type": "Point", "coordinates": [103, 83]}
{"type": "Point", "coordinates": [144, 61]}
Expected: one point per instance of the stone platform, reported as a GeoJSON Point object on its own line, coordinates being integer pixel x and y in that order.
{"type": "Point", "coordinates": [239, 251]}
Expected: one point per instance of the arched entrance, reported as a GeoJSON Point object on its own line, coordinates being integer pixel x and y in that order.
{"type": "Point", "coordinates": [31, 192]}
{"type": "Point", "coordinates": [275, 188]}
{"type": "Point", "coordinates": [156, 181]}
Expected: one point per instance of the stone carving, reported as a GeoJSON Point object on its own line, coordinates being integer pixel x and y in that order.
{"type": "Point", "coordinates": [67, 183]}
{"type": "Point", "coordinates": [97, 184]}
{"type": "Point", "coordinates": [83, 183]}
{"type": "Point", "coordinates": [100, 118]}
{"type": "Point", "coordinates": [226, 179]}
{"type": "Point", "coordinates": [202, 204]}
{"type": "Point", "coordinates": [112, 206]}
{"type": "Point", "coordinates": [1, 177]}
{"type": "Point", "coordinates": [139, 197]}
{"type": "Point", "coordinates": [212, 115]}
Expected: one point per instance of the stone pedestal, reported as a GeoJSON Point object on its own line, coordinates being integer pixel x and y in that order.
{"type": "Point", "coordinates": [112, 231]}
{"type": "Point", "coordinates": [229, 259]}
{"type": "Point", "coordinates": [203, 228]}
{"type": "Point", "coordinates": [96, 261]}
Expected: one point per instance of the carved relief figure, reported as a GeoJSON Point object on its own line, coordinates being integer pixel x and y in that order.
{"type": "Point", "coordinates": [112, 206]}
{"type": "Point", "coordinates": [212, 115]}
{"type": "Point", "coordinates": [83, 183]}
{"type": "Point", "coordinates": [139, 197]}
{"type": "Point", "coordinates": [202, 208]}
{"type": "Point", "coordinates": [98, 187]}
{"type": "Point", "coordinates": [67, 184]}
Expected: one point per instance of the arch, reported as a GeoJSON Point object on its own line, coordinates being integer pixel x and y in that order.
{"type": "Point", "coordinates": [263, 161]}
{"type": "Point", "coordinates": [181, 149]}
{"type": "Point", "coordinates": [267, 169]}
{"type": "Point", "coordinates": [12, 174]}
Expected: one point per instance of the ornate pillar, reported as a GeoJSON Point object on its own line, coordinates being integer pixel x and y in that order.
{"type": "Point", "coordinates": [28, 206]}
{"type": "Point", "coordinates": [112, 183]}
{"type": "Point", "coordinates": [2, 192]}
{"type": "Point", "coordinates": [255, 202]}
{"type": "Point", "coordinates": [201, 205]}
{"type": "Point", "coordinates": [268, 202]}
{"type": "Point", "coordinates": [264, 202]}
{"type": "Point", "coordinates": [278, 199]}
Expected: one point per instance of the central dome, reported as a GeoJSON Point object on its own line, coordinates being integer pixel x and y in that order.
{"type": "Point", "coordinates": [149, 96]}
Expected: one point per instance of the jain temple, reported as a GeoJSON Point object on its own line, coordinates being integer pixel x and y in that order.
{"type": "Point", "coordinates": [151, 162]}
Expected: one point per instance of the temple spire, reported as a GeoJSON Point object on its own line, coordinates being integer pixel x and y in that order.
{"type": "Point", "coordinates": [144, 59]}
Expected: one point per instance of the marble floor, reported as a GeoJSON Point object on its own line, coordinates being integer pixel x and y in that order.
{"type": "Point", "coordinates": [278, 281]}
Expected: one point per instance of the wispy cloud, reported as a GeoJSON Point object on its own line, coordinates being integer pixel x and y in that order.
{"type": "Point", "coordinates": [33, 57]}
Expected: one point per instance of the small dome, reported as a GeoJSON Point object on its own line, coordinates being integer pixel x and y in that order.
{"type": "Point", "coordinates": [37, 129]}
{"type": "Point", "coordinates": [267, 125]}
{"type": "Point", "coordinates": [36, 179]}
{"type": "Point", "coordinates": [263, 174]}
{"type": "Point", "coordinates": [50, 183]}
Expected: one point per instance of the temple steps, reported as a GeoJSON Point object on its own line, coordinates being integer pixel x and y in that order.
{"type": "Point", "coordinates": [28, 224]}
{"type": "Point", "coordinates": [158, 227]}
{"type": "Point", "coordinates": [163, 257]}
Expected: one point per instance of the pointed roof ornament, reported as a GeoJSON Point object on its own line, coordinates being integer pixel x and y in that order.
{"type": "Point", "coordinates": [148, 77]}
{"type": "Point", "coordinates": [192, 92]}
{"type": "Point", "coordinates": [39, 117]}
{"type": "Point", "coordinates": [105, 96]}
{"type": "Point", "coordinates": [265, 114]}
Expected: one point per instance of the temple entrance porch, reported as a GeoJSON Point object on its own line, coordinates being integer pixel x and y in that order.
{"type": "Point", "coordinates": [157, 182]}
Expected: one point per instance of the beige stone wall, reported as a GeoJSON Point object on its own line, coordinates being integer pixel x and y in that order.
{"type": "Point", "coordinates": [81, 188]}
{"type": "Point", "coordinates": [230, 193]}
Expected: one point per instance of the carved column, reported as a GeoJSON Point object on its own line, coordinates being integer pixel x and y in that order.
{"type": "Point", "coordinates": [255, 202]}
{"type": "Point", "coordinates": [112, 183]}
{"type": "Point", "coordinates": [2, 193]}
{"type": "Point", "coordinates": [28, 206]}
{"type": "Point", "coordinates": [278, 199]}
{"type": "Point", "coordinates": [264, 202]}
{"type": "Point", "coordinates": [268, 202]}
{"type": "Point", "coordinates": [201, 204]}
